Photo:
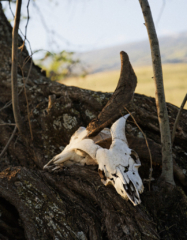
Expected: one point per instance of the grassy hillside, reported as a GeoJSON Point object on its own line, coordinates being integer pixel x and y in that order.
{"type": "Point", "coordinates": [173, 50]}
{"type": "Point", "coordinates": [175, 81]}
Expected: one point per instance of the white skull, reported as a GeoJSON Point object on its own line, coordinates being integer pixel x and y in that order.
{"type": "Point", "coordinates": [117, 166]}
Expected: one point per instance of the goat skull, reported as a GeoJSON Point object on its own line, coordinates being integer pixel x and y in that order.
{"type": "Point", "coordinates": [117, 166]}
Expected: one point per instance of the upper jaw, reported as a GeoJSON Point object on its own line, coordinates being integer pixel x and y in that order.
{"type": "Point", "coordinates": [132, 186]}
{"type": "Point", "coordinates": [125, 183]}
{"type": "Point", "coordinates": [133, 194]}
{"type": "Point", "coordinates": [126, 190]}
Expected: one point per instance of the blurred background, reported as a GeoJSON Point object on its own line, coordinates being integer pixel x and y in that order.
{"type": "Point", "coordinates": [77, 42]}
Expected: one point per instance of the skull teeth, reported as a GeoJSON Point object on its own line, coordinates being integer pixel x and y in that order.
{"type": "Point", "coordinates": [132, 193]}
{"type": "Point", "coordinates": [126, 178]}
{"type": "Point", "coordinates": [126, 187]}
{"type": "Point", "coordinates": [131, 187]}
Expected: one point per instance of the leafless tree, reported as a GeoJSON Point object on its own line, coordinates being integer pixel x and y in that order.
{"type": "Point", "coordinates": [167, 161]}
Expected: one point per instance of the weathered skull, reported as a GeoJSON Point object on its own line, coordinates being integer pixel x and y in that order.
{"type": "Point", "coordinates": [120, 164]}
{"type": "Point", "coordinates": [117, 166]}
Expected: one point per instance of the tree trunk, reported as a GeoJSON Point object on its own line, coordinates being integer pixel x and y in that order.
{"type": "Point", "coordinates": [73, 203]}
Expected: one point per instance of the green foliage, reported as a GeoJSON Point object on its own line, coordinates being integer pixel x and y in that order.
{"type": "Point", "coordinates": [61, 65]}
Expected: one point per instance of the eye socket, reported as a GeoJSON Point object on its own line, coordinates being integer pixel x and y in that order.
{"type": "Point", "coordinates": [112, 180]}
{"type": "Point", "coordinates": [102, 174]}
{"type": "Point", "coordinates": [134, 156]}
{"type": "Point", "coordinates": [126, 169]}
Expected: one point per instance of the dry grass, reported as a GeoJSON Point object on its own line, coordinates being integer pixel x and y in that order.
{"type": "Point", "coordinates": [175, 82]}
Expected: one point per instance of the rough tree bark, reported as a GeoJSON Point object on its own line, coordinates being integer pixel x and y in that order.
{"type": "Point", "coordinates": [167, 161]}
{"type": "Point", "coordinates": [73, 203]}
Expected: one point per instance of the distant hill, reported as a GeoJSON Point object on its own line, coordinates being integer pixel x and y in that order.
{"type": "Point", "coordinates": [173, 50]}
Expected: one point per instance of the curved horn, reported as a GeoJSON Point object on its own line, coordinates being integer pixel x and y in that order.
{"type": "Point", "coordinates": [122, 95]}
{"type": "Point", "coordinates": [118, 129]}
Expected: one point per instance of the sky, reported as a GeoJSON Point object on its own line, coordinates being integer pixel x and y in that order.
{"type": "Point", "coordinates": [84, 25]}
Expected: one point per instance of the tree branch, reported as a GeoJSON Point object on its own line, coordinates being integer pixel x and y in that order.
{"type": "Point", "coordinates": [15, 102]}
{"type": "Point", "coordinates": [177, 119]}
{"type": "Point", "coordinates": [167, 161]}
{"type": "Point", "coordinates": [8, 143]}
{"type": "Point", "coordinates": [7, 124]}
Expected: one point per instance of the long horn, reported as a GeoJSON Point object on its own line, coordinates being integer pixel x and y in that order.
{"type": "Point", "coordinates": [121, 97]}
{"type": "Point", "coordinates": [118, 129]}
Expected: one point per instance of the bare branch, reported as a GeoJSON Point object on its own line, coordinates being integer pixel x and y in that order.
{"type": "Point", "coordinates": [9, 103]}
{"type": "Point", "coordinates": [6, 105]}
{"type": "Point", "coordinates": [177, 119]}
{"type": "Point", "coordinates": [28, 18]}
{"type": "Point", "coordinates": [15, 103]}
{"type": "Point", "coordinates": [161, 12]}
{"type": "Point", "coordinates": [167, 161]}
{"type": "Point", "coordinates": [7, 124]}
{"type": "Point", "coordinates": [25, 92]}
{"type": "Point", "coordinates": [8, 143]}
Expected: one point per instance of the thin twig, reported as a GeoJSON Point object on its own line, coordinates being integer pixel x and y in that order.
{"type": "Point", "coordinates": [15, 102]}
{"type": "Point", "coordinates": [177, 119]}
{"type": "Point", "coordinates": [7, 124]}
{"type": "Point", "coordinates": [30, 56]}
{"type": "Point", "coordinates": [25, 81]}
{"type": "Point", "coordinates": [25, 92]}
{"type": "Point", "coordinates": [28, 17]}
{"type": "Point", "coordinates": [167, 228]}
{"type": "Point", "coordinates": [161, 12]}
{"type": "Point", "coordinates": [51, 33]}
{"type": "Point", "coordinates": [9, 103]}
{"type": "Point", "coordinates": [151, 161]}
{"type": "Point", "coordinates": [8, 143]}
